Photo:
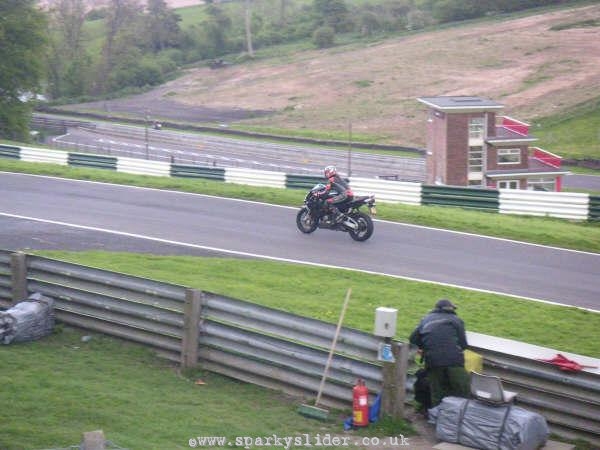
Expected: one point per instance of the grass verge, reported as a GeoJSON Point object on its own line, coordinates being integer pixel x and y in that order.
{"type": "Point", "coordinates": [60, 387]}
{"type": "Point", "coordinates": [583, 236]}
{"type": "Point", "coordinates": [300, 289]}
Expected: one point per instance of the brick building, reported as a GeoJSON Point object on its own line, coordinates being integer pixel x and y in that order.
{"type": "Point", "coordinates": [469, 144]}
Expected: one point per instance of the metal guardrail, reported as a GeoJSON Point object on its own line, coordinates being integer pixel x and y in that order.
{"type": "Point", "coordinates": [459, 196]}
{"type": "Point", "coordinates": [386, 191]}
{"type": "Point", "coordinates": [32, 154]}
{"type": "Point", "coordinates": [284, 351]}
{"type": "Point", "coordinates": [594, 207]}
{"type": "Point", "coordinates": [94, 161]}
{"type": "Point", "coordinates": [302, 181]}
{"type": "Point", "coordinates": [566, 205]}
{"type": "Point", "coordinates": [243, 340]}
{"type": "Point", "coordinates": [569, 402]}
{"type": "Point", "coordinates": [253, 177]}
{"type": "Point", "coordinates": [578, 206]}
{"type": "Point", "coordinates": [143, 167]}
{"type": "Point", "coordinates": [5, 280]}
{"type": "Point", "coordinates": [190, 171]}
{"type": "Point", "coordinates": [9, 151]}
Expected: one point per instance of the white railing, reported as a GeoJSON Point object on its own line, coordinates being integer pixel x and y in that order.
{"type": "Point", "coordinates": [254, 177]}
{"type": "Point", "coordinates": [566, 205]}
{"type": "Point", "coordinates": [44, 156]}
{"type": "Point", "coordinates": [143, 167]}
{"type": "Point", "coordinates": [388, 191]}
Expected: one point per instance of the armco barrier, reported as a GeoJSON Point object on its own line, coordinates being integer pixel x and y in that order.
{"type": "Point", "coordinates": [189, 171]}
{"type": "Point", "coordinates": [5, 280]}
{"type": "Point", "coordinates": [243, 340]}
{"type": "Point", "coordinates": [570, 402]}
{"type": "Point", "coordinates": [556, 204]}
{"type": "Point", "coordinates": [44, 156]}
{"type": "Point", "coordinates": [302, 181]}
{"type": "Point", "coordinates": [93, 161]}
{"type": "Point", "coordinates": [8, 151]}
{"type": "Point", "coordinates": [284, 351]}
{"type": "Point", "coordinates": [565, 205]}
{"type": "Point", "coordinates": [255, 177]}
{"type": "Point", "coordinates": [388, 191]}
{"type": "Point", "coordinates": [594, 207]}
{"type": "Point", "coordinates": [143, 167]}
{"type": "Point", "coordinates": [459, 196]}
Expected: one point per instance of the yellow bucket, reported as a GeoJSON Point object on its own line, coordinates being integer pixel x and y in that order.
{"type": "Point", "coordinates": [473, 361]}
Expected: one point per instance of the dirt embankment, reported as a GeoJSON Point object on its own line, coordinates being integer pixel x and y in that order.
{"type": "Point", "coordinates": [523, 63]}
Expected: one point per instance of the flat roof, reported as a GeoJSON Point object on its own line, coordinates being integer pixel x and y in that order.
{"type": "Point", "coordinates": [461, 103]}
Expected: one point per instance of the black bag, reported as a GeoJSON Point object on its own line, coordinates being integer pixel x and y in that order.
{"type": "Point", "coordinates": [422, 391]}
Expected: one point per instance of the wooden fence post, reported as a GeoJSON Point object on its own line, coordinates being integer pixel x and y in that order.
{"type": "Point", "coordinates": [394, 382]}
{"type": "Point", "coordinates": [18, 279]}
{"type": "Point", "coordinates": [191, 328]}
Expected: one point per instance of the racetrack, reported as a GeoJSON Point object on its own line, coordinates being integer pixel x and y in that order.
{"type": "Point", "coordinates": [43, 212]}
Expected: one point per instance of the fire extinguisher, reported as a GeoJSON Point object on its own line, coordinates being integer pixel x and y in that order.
{"type": "Point", "coordinates": [360, 404]}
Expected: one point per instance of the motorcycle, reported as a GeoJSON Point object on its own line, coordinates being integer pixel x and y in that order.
{"type": "Point", "coordinates": [315, 214]}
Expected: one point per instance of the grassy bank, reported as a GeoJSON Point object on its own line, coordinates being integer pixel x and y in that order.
{"type": "Point", "coordinates": [548, 231]}
{"type": "Point", "coordinates": [60, 387]}
{"type": "Point", "coordinates": [300, 289]}
{"type": "Point", "coordinates": [574, 133]}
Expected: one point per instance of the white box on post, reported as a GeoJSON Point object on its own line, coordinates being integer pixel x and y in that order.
{"type": "Point", "coordinates": [385, 322]}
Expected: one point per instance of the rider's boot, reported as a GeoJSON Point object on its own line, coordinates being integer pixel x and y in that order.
{"type": "Point", "coordinates": [337, 215]}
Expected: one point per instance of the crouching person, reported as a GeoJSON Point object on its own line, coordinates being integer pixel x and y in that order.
{"type": "Point", "coordinates": [442, 339]}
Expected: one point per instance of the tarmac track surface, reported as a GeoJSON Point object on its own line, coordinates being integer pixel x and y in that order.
{"type": "Point", "coordinates": [42, 213]}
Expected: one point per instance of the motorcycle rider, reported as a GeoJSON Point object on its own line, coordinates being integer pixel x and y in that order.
{"type": "Point", "coordinates": [341, 187]}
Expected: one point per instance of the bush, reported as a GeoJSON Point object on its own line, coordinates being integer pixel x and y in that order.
{"type": "Point", "coordinates": [323, 37]}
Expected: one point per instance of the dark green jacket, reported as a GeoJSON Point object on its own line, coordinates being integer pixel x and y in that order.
{"type": "Point", "coordinates": [441, 335]}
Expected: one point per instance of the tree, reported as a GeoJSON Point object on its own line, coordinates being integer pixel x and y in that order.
{"type": "Point", "coordinates": [248, 27]}
{"type": "Point", "coordinates": [324, 37]}
{"type": "Point", "coordinates": [22, 47]}
{"type": "Point", "coordinates": [122, 23]}
{"type": "Point", "coordinates": [332, 13]}
{"type": "Point", "coordinates": [162, 26]}
{"type": "Point", "coordinates": [68, 65]}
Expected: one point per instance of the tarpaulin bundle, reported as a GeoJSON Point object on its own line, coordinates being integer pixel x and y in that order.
{"type": "Point", "coordinates": [28, 320]}
{"type": "Point", "coordinates": [565, 364]}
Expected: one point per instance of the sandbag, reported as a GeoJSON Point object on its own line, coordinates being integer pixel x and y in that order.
{"type": "Point", "coordinates": [477, 424]}
{"type": "Point", "coordinates": [28, 320]}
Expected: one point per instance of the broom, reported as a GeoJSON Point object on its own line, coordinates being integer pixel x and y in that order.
{"type": "Point", "coordinates": [314, 411]}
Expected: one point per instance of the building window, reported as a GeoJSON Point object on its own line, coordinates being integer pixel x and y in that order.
{"type": "Point", "coordinates": [475, 162]}
{"type": "Point", "coordinates": [476, 128]}
{"type": "Point", "coordinates": [509, 155]}
{"type": "Point", "coordinates": [508, 184]}
{"type": "Point", "coordinates": [542, 184]}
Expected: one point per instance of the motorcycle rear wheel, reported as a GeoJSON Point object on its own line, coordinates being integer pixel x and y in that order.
{"type": "Point", "coordinates": [305, 222]}
{"type": "Point", "coordinates": [365, 227]}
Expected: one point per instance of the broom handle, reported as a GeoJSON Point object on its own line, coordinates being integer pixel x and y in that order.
{"type": "Point", "coordinates": [331, 350]}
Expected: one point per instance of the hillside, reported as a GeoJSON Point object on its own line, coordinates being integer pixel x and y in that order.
{"type": "Point", "coordinates": [536, 65]}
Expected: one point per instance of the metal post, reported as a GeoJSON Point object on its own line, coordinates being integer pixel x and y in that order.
{"type": "Point", "coordinates": [394, 382]}
{"type": "Point", "coordinates": [349, 149]}
{"type": "Point", "coordinates": [18, 268]}
{"type": "Point", "coordinates": [191, 328]}
{"type": "Point", "coordinates": [146, 135]}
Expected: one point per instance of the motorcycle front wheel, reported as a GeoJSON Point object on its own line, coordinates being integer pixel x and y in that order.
{"type": "Point", "coordinates": [305, 221]}
{"type": "Point", "coordinates": [365, 227]}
